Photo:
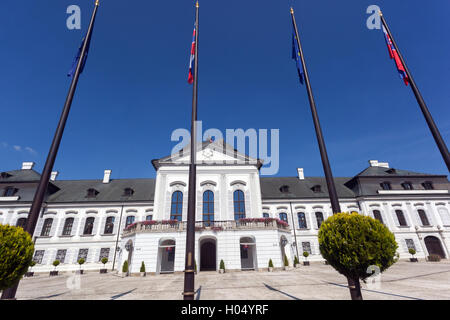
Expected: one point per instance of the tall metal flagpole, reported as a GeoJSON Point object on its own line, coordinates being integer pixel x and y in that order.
{"type": "Point", "coordinates": [434, 130]}
{"type": "Point", "coordinates": [323, 151]}
{"type": "Point", "coordinates": [189, 272]}
{"type": "Point", "coordinates": [45, 177]}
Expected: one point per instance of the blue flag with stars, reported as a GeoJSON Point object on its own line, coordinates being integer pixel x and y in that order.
{"type": "Point", "coordinates": [296, 56]}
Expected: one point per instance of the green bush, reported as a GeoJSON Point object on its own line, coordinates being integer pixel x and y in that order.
{"type": "Point", "coordinates": [306, 254]}
{"type": "Point", "coordinates": [81, 261]}
{"type": "Point", "coordinates": [142, 267]}
{"type": "Point", "coordinates": [104, 261]}
{"type": "Point", "coordinates": [56, 263]}
{"type": "Point", "coordinates": [16, 254]}
{"type": "Point", "coordinates": [353, 242]}
{"type": "Point", "coordinates": [222, 265]}
{"type": "Point", "coordinates": [286, 261]}
{"type": "Point", "coordinates": [296, 260]}
{"type": "Point", "coordinates": [412, 251]}
{"type": "Point", "coordinates": [32, 264]}
{"type": "Point", "coordinates": [270, 263]}
{"type": "Point", "coordinates": [125, 267]}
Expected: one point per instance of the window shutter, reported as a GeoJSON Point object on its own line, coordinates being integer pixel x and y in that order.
{"type": "Point", "coordinates": [54, 226]}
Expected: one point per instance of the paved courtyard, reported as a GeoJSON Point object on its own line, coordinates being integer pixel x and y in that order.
{"type": "Point", "coordinates": [403, 281]}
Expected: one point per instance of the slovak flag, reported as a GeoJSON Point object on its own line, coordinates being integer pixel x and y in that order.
{"type": "Point", "coordinates": [394, 55]}
{"type": "Point", "coordinates": [192, 60]}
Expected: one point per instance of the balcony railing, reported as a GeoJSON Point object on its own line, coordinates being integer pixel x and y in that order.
{"type": "Point", "coordinates": [216, 226]}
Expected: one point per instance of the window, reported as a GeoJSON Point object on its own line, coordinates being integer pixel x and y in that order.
{"type": "Point", "coordinates": [130, 220]}
{"type": "Point", "coordinates": [401, 218]}
{"type": "Point", "coordinates": [306, 247]}
{"type": "Point", "coordinates": [83, 253]}
{"type": "Point", "coordinates": [89, 226]}
{"type": "Point", "coordinates": [239, 205]}
{"type": "Point", "coordinates": [38, 255]}
{"type": "Point", "coordinates": [316, 189]}
{"type": "Point", "coordinates": [109, 225]}
{"type": "Point", "coordinates": [176, 209]}
{"type": "Point", "coordinates": [377, 215]}
{"type": "Point", "coordinates": [319, 218]}
{"type": "Point", "coordinates": [21, 222]}
{"type": "Point", "coordinates": [283, 217]}
{"type": "Point", "coordinates": [128, 192]}
{"type": "Point", "coordinates": [302, 220]}
{"type": "Point", "coordinates": [407, 185]}
{"type": "Point", "coordinates": [208, 208]}
{"type": "Point", "coordinates": [47, 227]}
{"type": "Point", "coordinates": [5, 175]}
{"type": "Point", "coordinates": [68, 224]}
{"type": "Point", "coordinates": [266, 215]}
{"type": "Point", "coordinates": [149, 217]}
{"type": "Point", "coordinates": [92, 193]}
{"type": "Point", "coordinates": [428, 185]}
{"type": "Point", "coordinates": [386, 185]}
{"type": "Point", "coordinates": [10, 192]}
{"type": "Point", "coordinates": [391, 171]}
{"type": "Point", "coordinates": [423, 217]}
{"type": "Point", "coordinates": [61, 255]}
{"type": "Point", "coordinates": [410, 244]}
{"type": "Point", "coordinates": [104, 253]}
{"type": "Point", "coordinates": [284, 189]}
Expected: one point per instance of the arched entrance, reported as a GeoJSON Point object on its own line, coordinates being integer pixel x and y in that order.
{"type": "Point", "coordinates": [248, 253]}
{"type": "Point", "coordinates": [208, 257]}
{"type": "Point", "coordinates": [434, 246]}
{"type": "Point", "coordinates": [166, 256]}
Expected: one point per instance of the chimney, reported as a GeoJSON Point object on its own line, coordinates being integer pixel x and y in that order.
{"type": "Point", "coordinates": [301, 174]}
{"type": "Point", "coordinates": [106, 177]}
{"type": "Point", "coordinates": [54, 175]}
{"type": "Point", "coordinates": [375, 163]}
{"type": "Point", "coordinates": [27, 165]}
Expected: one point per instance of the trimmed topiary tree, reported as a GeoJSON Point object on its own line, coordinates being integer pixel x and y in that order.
{"type": "Point", "coordinates": [351, 243]}
{"type": "Point", "coordinates": [125, 267]}
{"type": "Point", "coordinates": [306, 254]}
{"type": "Point", "coordinates": [222, 265]}
{"type": "Point", "coordinates": [16, 254]}
{"type": "Point", "coordinates": [142, 270]}
{"type": "Point", "coordinates": [104, 261]}
{"type": "Point", "coordinates": [81, 261]}
{"type": "Point", "coordinates": [296, 262]}
{"type": "Point", "coordinates": [286, 261]}
{"type": "Point", "coordinates": [270, 263]}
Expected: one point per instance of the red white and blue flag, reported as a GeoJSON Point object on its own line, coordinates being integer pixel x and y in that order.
{"type": "Point", "coordinates": [192, 60]}
{"type": "Point", "coordinates": [394, 55]}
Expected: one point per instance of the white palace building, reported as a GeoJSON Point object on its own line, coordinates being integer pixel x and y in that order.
{"type": "Point", "coordinates": [242, 218]}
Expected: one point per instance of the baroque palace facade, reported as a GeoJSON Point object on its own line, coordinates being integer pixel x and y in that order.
{"type": "Point", "coordinates": [242, 218]}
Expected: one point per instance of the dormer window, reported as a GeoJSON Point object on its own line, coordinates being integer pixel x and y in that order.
{"type": "Point", "coordinates": [407, 186]}
{"type": "Point", "coordinates": [5, 175]}
{"type": "Point", "coordinates": [428, 185]}
{"type": "Point", "coordinates": [128, 192]}
{"type": "Point", "coordinates": [10, 192]}
{"type": "Point", "coordinates": [386, 185]}
{"type": "Point", "coordinates": [391, 171]}
{"type": "Point", "coordinates": [284, 189]}
{"type": "Point", "coordinates": [91, 193]}
{"type": "Point", "coordinates": [316, 189]}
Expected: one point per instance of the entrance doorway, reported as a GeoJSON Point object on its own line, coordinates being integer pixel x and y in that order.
{"type": "Point", "coordinates": [208, 256]}
{"type": "Point", "coordinates": [248, 253]}
{"type": "Point", "coordinates": [166, 256]}
{"type": "Point", "coordinates": [434, 246]}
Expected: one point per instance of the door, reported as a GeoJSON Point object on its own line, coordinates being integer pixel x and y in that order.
{"type": "Point", "coordinates": [434, 246]}
{"type": "Point", "coordinates": [208, 256]}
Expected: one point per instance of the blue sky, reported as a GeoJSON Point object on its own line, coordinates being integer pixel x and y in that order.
{"type": "Point", "coordinates": [133, 92]}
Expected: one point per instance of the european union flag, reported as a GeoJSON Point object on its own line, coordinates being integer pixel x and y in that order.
{"type": "Point", "coordinates": [296, 56]}
{"type": "Point", "coordinates": [77, 58]}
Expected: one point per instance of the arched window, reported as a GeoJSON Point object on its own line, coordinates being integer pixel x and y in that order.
{"type": "Point", "coordinates": [283, 217]}
{"type": "Point", "coordinates": [423, 217]}
{"type": "Point", "coordinates": [21, 222]}
{"type": "Point", "coordinates": [266, 215]}
{"type": "Point", "coordinates": [130, 220]}
{"type": "Point", "coordinates": [386, 185]}
{"type": "Point", "coordinates": [428, 185]}
{"type": "Point", "coordinates": [401, 218]}
{"type": "Point", "coordinates": [109, 225]}
{"type": "Point", "coordinates": [47, 227]}
{"type": "Point", "coordinates": [377, 215]}
{"type": "Point", "coordinates": [68, 224]}
{"type": "Point", "coordinates": [302, 220]}
{"type": "Point", "coordinates": [176, 209]}
{"type": "Point", "coordinates": [319, 218]}
{"type": "Point", "coordinates": [407, 186]}
{"type": "Point", "coordinates": [239, 205]}
{"type": "Point", "coordinates": [208, 208]}
{"type": "Point", "coordinates": [10, 192]}
{"type": "Point", "coordinates": [89, 226]}
{"type": "Point", "coordinates": [149, 217]}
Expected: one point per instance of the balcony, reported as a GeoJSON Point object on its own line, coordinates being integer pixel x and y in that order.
{"type": "Point", "coordinates": [215, 226]}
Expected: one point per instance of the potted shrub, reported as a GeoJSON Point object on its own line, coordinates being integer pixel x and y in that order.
{"type": "Point", "coordinates": [80, 262]}
{"type": "Point", "coordinates": [104, 261]}
{"type": "Point", "coordinates": [270, 265]}
{"type": "Point", "coordinates": [55, 264]}
{"type": "Point", "coordinates": [434, 258]}
{"type": "Point", "coordinates": [142, 270]}
{"type": "Point", "coordinates": [296, 262]}
{"type": "Point", "coordinates": [286, 263]}
{"type": "Point", "coordinates": [412, 252]}
{"type": "Point", "coordinates": [30, 273]}
{"type": "Point", "coordinates": [222, 267]}
{"type": "Point", "coordinates": [125, 268]}
{"type": "Point", "coordinates": [306, 255]}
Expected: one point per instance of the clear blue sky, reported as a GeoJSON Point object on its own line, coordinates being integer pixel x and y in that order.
{"type": "Point", "coordinates": [133, 92]}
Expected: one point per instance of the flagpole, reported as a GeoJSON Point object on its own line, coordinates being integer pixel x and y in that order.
{"type": "Point", "coordinates": [189, 272]}
{"type": "Point", "coordinates": [323, 151]}
{"type": "Point", "coordinates": [45, 177]}
{"type": "Point", "coordinates": [429, 119]}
